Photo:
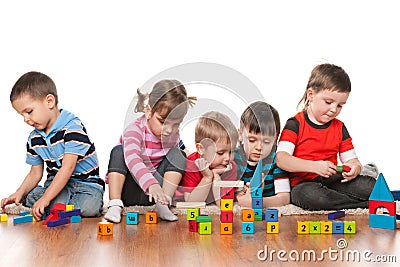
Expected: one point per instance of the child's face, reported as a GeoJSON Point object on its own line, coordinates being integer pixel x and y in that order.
{"type": "Point", "coordinates": [219, 155]}
{"type": "Point", "coordinates": [256, 146]}
{"type": "Point", "coordinates": [162, 128]}
{"type": "Point", "coordinates": [37, 113]}
{"type": "Point", "coordinates": [325, 105]}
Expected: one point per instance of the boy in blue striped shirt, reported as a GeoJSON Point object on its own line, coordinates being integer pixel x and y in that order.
{"type": "Point", "coordinates": [60, 141]}
{"type": "Point", "coordinates": [258, 134]}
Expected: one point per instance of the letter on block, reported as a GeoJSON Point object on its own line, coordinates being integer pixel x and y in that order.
{"type": "Point", "coordinates": [337, 227]}
{"type": "Point", "coordinates": [105, 228]}
{"type": "Point", "coordinates": [4, 218]}
{"type": "Point", "coordinates": [257, 203]}
{"type": "Point", "coordinates": [303, 227]}
{"type": "Point", "coordinates": [315, 227]}
{"type": "Point", "coordinates": [192, 214]}
{"type": "Point", "coordinates": [226, 204]}
{"type": "Point", "coordinates": [226, 216]}
{"type": "Point", "coordinates": [248, 215]}
{"type": "Point", "coordinates": [132, 217]}
{"type": "Point", "coordinates": [247, 227]}
{"type": "Point", "coordinates": [205, 228]}
{"type": "Point", "coordinates": [326, 227]}
{"type": "Point", "coordinates": [272, 227]}
{"type": "Point", "coordinates": [226, 228]}
{"type": "Point", "coordinates": [271, 215]}
{"type": "Point", "coordinates": [192, 226]}
{"type": "Point", "coordinates": [349, 227]}
{"type": "Point", "coordinates": [256, 192]}
{"type": "Point", "coordinates": [151, 217]}
{"type": "Point", "coordinates": [227, 193]}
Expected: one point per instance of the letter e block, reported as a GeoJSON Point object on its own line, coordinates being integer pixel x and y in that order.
{"type": "Point", "coordinates": [272, 227]}
{"type": "Point", "coordinates": [132, 217]}
{"type": "Point", "coordinates": [303, 227]}
{"type": "Point", "coordinates": [105, 228]}
{"type": "Point", "coordinates": [226, 228]}
{"type": "Point", "coordinates": [226, 204]}
{"type": "Point", "coordinates": [151, 217]}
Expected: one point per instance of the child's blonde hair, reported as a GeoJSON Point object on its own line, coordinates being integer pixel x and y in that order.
{"type": "Point", "coordinates": [165, 97]}
{"type": "Point", "coordinates": [217, 127]}
{"type": "Point", "coordinates": [326, 77]}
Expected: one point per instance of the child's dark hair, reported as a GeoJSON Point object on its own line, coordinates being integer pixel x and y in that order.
{"type": "Point", "coordinates": [166, 96]}
{"type": "Point", "coordinates": [35, 84]}
{"type": "Point", "coordinates": [261, 117]}
{"type": "Point", "coordinates": [326, 77]}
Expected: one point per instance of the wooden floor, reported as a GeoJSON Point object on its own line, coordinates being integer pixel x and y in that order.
{"type": "Point", "coordinates": [171, 244]}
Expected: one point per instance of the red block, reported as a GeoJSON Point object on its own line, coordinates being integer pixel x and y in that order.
{"type": "Point", "coordinates": [192, 226]}
{"type": "Point", "coordinates": [227, 193]}
{"type": "Point", "coordinates": [226, 216]}
{"type": "Point", "coordinates": [59, 206]}
{"type": "Point", "coordinates": [390, 206]}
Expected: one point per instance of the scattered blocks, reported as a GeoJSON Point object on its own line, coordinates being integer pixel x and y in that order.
{"type": "Point", "coordinates": [132, 217]}
{"type": "Point", "coordinates": [105, 228]}
{"type": "Point", "coordinates": [326, 227]}
{"type": "Point", "coordinates": [151, 217]}
{"type": "Point", "coordinates": [4, 217]}
{"type": "Point", "coordinates": [336, 215]}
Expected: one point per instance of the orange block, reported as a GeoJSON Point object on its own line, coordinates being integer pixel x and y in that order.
{"type": "Point", "coordinates": [248, 215]}
{"type": "Point", "coordinates": [151, 217]}
{"type": "Point", "coordinates": [105, 228]}
{"type": "Point", "coordinates": [226, 228]}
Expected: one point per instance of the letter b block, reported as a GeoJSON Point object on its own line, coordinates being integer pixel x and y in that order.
{"type": "Point", "coordinates": [132, 218]}
{"type": "Point", "coordinates": [105, 228]}
{"type": "Point", "coordinates": [151, 217]}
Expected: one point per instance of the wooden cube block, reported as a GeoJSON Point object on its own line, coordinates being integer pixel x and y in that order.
{"type": "Point", "coordinates": [75, 219]}
{"type": "Point", "coordinates": [257, 203]}
{"type": "Point", "coordinates": [132, 217]}
{"type": "Point", "coordinates": [247, 227]}
{"type": "Point", "coordinates": [271, 215]}
{"type": "Point", "coordinates": [272, 227]}
{"type": "Point", "coordinates": [226, 228]}
{"type": "Point", "coordinates": [226, 216]}
{"type": "Point", "coordinates": [226, 204]}
{"type": "Point", "coordinates": [315, 227]}
{"type": "Point", "coordinates": [23, 219]}
{"type": "Point", "coordinates": [4, 217]}
{"type": "Point", "coordinates": [258, 214]}
{"type": "Point", "coordinates": [227, 193]}
{"type": "Point", "coordinates": [205, 228]}
{"type": "Point", "coordinates": [192, 214]}
{"type": "Point", "coordinates": [303, 227]}
{"type": "Point", "coordinates": [326, 227]}
{"type": "Point", "coordinates": [59, 206]}
{"type": "Point", "coordinates": [349, 227]}
{"type": "Point", "coordinates": [248, 215]}
{"type": "Point", "coordinates": [256, 192]}
{"type": "Point", "coordinates": [337, 227]}
{"type": "Point", "coordinates": [69, 207]}
{"type": "Point", "coordinates": [151, 217]}
{"type": "Point", "coordinates": [192, 225]}
{"type": "Point", "coordinates": [105, 228]}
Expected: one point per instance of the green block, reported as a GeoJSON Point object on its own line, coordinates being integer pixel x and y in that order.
{"type": "Point", "coordinates": [349, 227]}
{"type": "Point", "coordinates": [205, 228]}
{"type": "Point", "coordinates": [315, 227]}
{"type": "Point", "coordinates": [203, 218]}
{"type": "Point", "coordinates": [192, 214]}
{"type": "Point", "coordinates": [258, 217]}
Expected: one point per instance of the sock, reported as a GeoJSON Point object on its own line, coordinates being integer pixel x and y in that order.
{"type": "Point", "coordinates": [165, 213]}
{"type": "Point", "coordinates": [114, 210]}
{"type": "Point", "coordinates": [370, 169]}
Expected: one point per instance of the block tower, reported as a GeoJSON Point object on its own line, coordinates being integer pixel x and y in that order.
{"type": "Point", "coordinates": [381, 197]}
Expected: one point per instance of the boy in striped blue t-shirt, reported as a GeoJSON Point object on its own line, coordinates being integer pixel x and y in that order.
{"type": "Point", "coordinates": [258, 134]}
{"type": "Point", "coordinates": [60, 141]}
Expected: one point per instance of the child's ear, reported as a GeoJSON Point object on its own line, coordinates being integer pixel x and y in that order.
{"type": "Point", "coordinates": [310, 94]}
{"type": "Point", "coordinates": [147, 111]}
{"type": "Point", "coordinates": [200, 148]}
{"type": "Point", "coordinates": [50, 101]}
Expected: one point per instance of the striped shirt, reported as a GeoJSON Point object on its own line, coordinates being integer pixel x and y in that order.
{"type": "Point", "coordinates": [275, 179]}
{"type": "Point", "coordinates": [143, 151]}
{"type": "Point", "coordinates": [67, 135]}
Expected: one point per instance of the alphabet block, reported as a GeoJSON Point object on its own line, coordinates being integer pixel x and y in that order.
{"type": "Point", "coordinates": [315, 227]}
{"type": "Point", "coordinates": [303, 227]}
{"type": "Point", "coordinates": [192, 214]}
{"type": "Point", "coordinates": [192, 226]}
{"type": "Point", "coordinates": [271, 215]}
{"type": "Point", "coordinates": [256, 192]}
{"type": "Point", "coordinates": [349, 227]}
{"type": "Point", "coordinates": [226, 216]}
{"type": "Point", "coordinates": [227, 193]}
{"type": "Point", "coordinates": [105, 228]}
{"type": "Point", "coordinates": [205, 228]}
{"type": "Point", "coordinates": [226, 204]}
{"type": "Point", "coordinates": [226, 228]}
{"type": "Point", "coordinates": [326, 227]}
{"type": "Point", "coordinates": [247, 227]}
{"type": "Point", "coordinates": [257, 203]}
{"type": "Point", "coordinates": [337, 227]}
{"type": "Point", "coordinates": [248, 215]}
{"type": "Point", "coordinates": [132, 217]}
{"type": "Point", "coordinates": [151, 217]}
{"type": "Point", "coordinates": [272, 227]}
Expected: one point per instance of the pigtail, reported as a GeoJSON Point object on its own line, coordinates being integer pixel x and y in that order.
{"type": "Point", "coordinates": [142, 97]}
{"type": "Point", "coordinates": [192, 101]}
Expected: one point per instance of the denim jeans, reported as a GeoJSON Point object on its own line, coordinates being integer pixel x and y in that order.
{"type": "Point", "coordinates": [331, 194]}
{"type": "Point", "coordinates": [132, 193]}
{"type": "Point", "coordinates": [83, 196]}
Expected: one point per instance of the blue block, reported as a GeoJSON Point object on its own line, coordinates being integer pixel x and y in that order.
{"type": "Point", "coordinates": [75, 219]}
{"type": "Point", "coordinates": [23, 219]}
{"type": "Point", "coordinates": [65, 214]}
{"type": "Point", "coordinates": [23, 212]}
{"type": "Point", "coordinates": [382, 221]}
{"type": "Point", "coordinates": [336, 215]}
{"type": "Point", "coordinates": [271, 215]}
{"type": "Point", "coordinates": [396, 194]}
{"type": "Point", "coordinates": [337, 227]}
{"type": "Point", "coordinates": [257, 203]}
{"type": "Point", "coordinates": [132, 217]}
{"type": "Point", "coordinates": [256, 192]}
{"type": "Point", "coordinates": [58, 222]}
{"type": "Point", "coordinates": [248, 227]}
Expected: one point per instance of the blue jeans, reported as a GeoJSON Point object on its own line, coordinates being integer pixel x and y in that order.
{"type": "Point", "coordinates": [330, 194]}
{"type": "Point", "coordinates": [83, 196]}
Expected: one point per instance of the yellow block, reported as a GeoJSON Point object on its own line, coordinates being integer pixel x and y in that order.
{"type": "Point", "coordinates": [105, 228]}
{"type": "Point", "coordinates": [226, 228]}
{"type": "Point", "coordinates": [303, 227]}
{"type": "Point", "coordinates": [226, 204]}
{"type": "Point", "coordinates": [272, 227]}
{"type": "Point", "coordinates": [4, 218]}
{"type": "Point", "coordinates": [326, 227]}
{"type": "Point", "coordinates": [69, 207]}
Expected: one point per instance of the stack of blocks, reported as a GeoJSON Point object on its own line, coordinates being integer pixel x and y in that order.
{"type": "Point", "coordinates": [62, 214]}
{"type": "Point", "coordinates": [196, 222]}
{"type": "Point", "coordinates": [327, 227]}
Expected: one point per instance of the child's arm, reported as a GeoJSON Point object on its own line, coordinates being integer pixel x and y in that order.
{"type": "Point", "coordinates": [31, 181]}
{"type": "Point", "coordinates": [356, 168]}
{"type": "Point", "coordinates": [58, 183]}
{"type": "Point", "coordinates": [201, 191]}
{"type": "Point", "coordinates": [291, 163]}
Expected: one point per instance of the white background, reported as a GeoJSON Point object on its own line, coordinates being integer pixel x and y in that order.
{"type": "Point", "coordinates": [99, 52]}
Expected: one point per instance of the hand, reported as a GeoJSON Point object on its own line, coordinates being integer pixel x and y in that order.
{"type": "Point", "coordinates": [204, 167]}
{"type": "Point", "coordinates": [324, 168]}
{"type": "Point", "coordinates": [156, 193]}
{"type": "Point", "coordinates": [223, 170]}
{"type": "Point", "coordinates": [353, 173]}
{"type": "Point", "coordinates": [244, 198]}
{"type": "Point", "coordinates": [38, 208]}
{"type": "Point", "coordinates": [13, 198]}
